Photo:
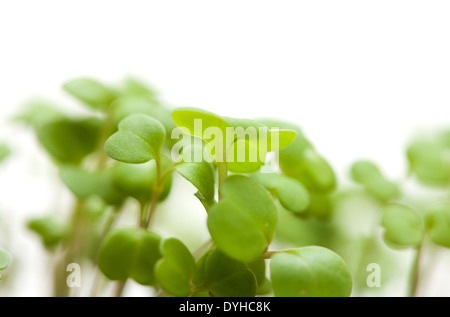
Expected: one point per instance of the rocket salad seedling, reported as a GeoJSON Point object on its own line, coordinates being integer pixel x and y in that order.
{"type": "Point", "coordinates": [271, 200]}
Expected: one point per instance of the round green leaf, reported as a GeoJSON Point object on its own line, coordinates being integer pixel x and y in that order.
{"type": "Point", "coordinates": [242, 224]}
{"type": "Point", "coordinates": [403, 225]}
{"type": "Point", "coordinates": [363, 171]}
{"type": "Point", "coordinates": [292, 194]}
{"type": "Point", "coordinates": [130, 253]}
{"type": "Point", "coordinates": [142, 104]}
{"type": "Point", "coordinates": [310, 272]}
{"type": "Point", "coordinates": [5, 259]}
{"type": "Point", "coordinates": [175, 270]}
{"type": "Point", "coordinates": [382, 189]}
{"type": "Point", "coordinates": [142, 270]}
{"type": "Point", "coordinates": [427, 161]}
{"type": "Point", "coordinates": [138, 140]}
{"type": "Point", "coordinates": [90, 92]}
{"type": "Point", "coordinates": [437, 222]}
{"type": "Point", "coordinates": [50, 231]}
{"type": "Point", "coordinates": [69, 140]}
{"type": "Point", "coordinates": [224, 277]}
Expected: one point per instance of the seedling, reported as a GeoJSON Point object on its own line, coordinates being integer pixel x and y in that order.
{"type": "Point", "coordinates": [260, 182]}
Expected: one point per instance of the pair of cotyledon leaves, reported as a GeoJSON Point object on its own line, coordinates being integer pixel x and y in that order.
{"type": "Point", "coordinates": [375, 184]}
{"type": "Point", "coordinates": [149, 260]}
{"type": "Point", "coordinates": [405, 227]}
{"type": "Point", "coordinates": [116, 182]}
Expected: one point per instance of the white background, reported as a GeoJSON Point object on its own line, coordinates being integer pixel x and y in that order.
{"type": "Point", "coordinates": [360, 77]}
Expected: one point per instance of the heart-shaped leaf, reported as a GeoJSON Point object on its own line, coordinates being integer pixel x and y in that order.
{"type": "Point", "coordinates": [243, 222]}
{"type": "Point", "coordinates": [224, 277]}
{"type": "Point", "coordinates": [403, 225]}
{"type": "Point", "coordinates": [50, 231]}
{"type": "Point", "coordinates": [310, 272]}
{"type": "Point", "coordinates": [437, 222]}
{"type": "Point", "coordinates": [130, 253]}
{"type": "Point", "coordinates": [90, 92]}
{"type": "Point", "coordinates": [69, 140]}
{"type": "Point", "coordinates": [292, 194]}
{"type": "Point", "coordinates": [245, 141]}
{"type": "Point", "coordinates": [363, 171]}
{"type": "Point", "coordinates": [138, 140]}
{"type": "Point", "coordinates": [175, 270]}
{"type": "Point", "coordinates": [369, 175]}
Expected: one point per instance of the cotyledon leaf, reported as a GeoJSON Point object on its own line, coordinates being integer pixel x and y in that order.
{"type": "Point", "coordinates": [292, 194]}
{"type": "Point", "coordinates": [91, 92]}
{"type": "Point", "coordinates": [242, 224]}
{"type": "Point", "coordinates": [437, 222]}
{"type": "Point", "coordinates": [138, 140]}
{"type": "Point", "coordinates": [224, 277]}
{"type": "Point", "coordinates": [310, 272]}
{"type": "Point", "coordinates": [174, 271]}
{"type": "Point", "coordinates": [403, 225]}
{"type": "Point", "coordinates": [130, 253]}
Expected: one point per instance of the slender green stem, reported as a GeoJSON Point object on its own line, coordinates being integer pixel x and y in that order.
{"type": "Point", "coordinates": [415, 272]}
{"type": "Point", "coordinates": [120, 287]}
{"type": "Point", "coordinates": [223, 173]}
{"type": "Point", "coordinates": [72, 247]}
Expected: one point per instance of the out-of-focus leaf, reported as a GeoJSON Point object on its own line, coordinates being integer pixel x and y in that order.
{"type": "Point", "coordinates": [90, 92]}
{"type": "Point", "coordinates": [403, 225]}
